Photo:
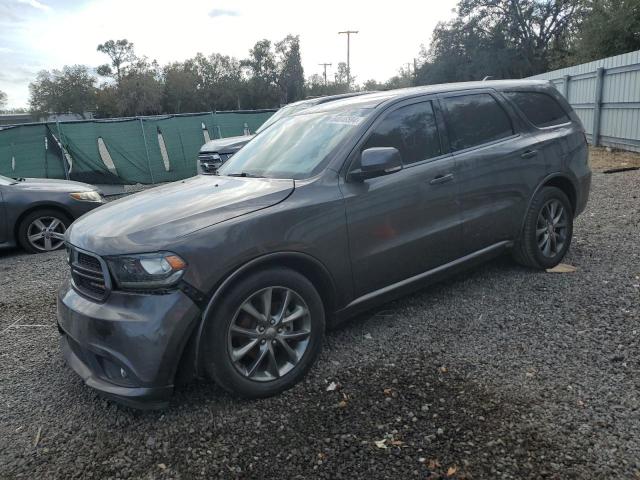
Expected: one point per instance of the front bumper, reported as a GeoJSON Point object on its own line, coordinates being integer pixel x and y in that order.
{"type": "Point", "coordinates": [129, 347]}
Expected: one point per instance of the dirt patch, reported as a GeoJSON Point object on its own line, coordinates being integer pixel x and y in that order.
{"type": "Point", "coordinates": [602, 159]}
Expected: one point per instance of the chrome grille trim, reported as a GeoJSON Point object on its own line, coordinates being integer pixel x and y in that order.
{"type": "Point", "coordinates": [89, 274]}
{"type": "Point", "coordinates": [211, 161]}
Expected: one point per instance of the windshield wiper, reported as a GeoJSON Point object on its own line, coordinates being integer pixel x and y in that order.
{"type": "Point", "coordinates": [244, 174]}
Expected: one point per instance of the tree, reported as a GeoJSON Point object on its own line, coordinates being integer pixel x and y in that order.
{"type": "Point", "coordinates": [221, 85]}
{"type": "Point", "coordinates": [180, 86]}
{"type": "Point", "coordinates": [314, 86]}
{"type": "Point", "coordinates": [611, 27]}
{"type": "Point", "coordinates": [501, 38]}
{"type": "Point", "coordinates": [291, 73]}
{"type": "Point", "coordinates": [140, 89]}
{"type": "Point", "coordinates": [107, 102]}
{"type": "Point", "coordinates": [3, 100]}
{"type": "Point", "coordinates": [261, 65]}
{"type": "Point", "coordinates": [70, 90]}
{"type": "Point", "coordinates": [120, 52]}
{"type": "Point", "coordinates": [341, 76]}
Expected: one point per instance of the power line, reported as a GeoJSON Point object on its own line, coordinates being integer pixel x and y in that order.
{"type": "Point", "coordinates": [348, 33]}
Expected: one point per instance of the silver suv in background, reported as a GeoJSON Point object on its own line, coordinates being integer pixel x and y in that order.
{"type": "Point", "coordinates": [215, 152]}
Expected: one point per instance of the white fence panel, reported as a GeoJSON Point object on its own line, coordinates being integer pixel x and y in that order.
{"type": "Point", "coordinates": [606, 96]}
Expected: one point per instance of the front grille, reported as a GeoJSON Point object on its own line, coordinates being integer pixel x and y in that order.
{"type": "Point", "coordinates": [210, 162]}
{"type": "Point", "coordinates": [88, 274]}
{"type": "Point", "coordinates": [87, 261]}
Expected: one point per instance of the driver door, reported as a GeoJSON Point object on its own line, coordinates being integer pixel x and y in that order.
{"type": "Point", "coordinates": [404, 223]}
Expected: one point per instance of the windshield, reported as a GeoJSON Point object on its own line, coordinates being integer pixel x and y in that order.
{"type": "Point", "coordinates": [285, 111]}
{"type": "Point", "coordinates": [6, 180]}
{"type": "Point", "coordinates": [295, 147]}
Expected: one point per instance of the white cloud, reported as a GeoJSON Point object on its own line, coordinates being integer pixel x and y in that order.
{"type": "Point", "coordinates": [223, 12]}
{"type": "Point", "coordinates": [35, 4]}
{"type": "Point", "coordinates": [390, 33]}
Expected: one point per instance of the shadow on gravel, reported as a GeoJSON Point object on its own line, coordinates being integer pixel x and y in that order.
{"type": "Point", "coordinates": [12, 252]}
{"type": "Point", "coordinates": [395, 420]}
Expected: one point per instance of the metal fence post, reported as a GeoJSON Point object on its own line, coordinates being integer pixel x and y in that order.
{"type": "Point", "coordinates": [565, 86]}
{"type": "Point", "coordinates": [597, 107]}
{"type": "Point", "coordinates": [146, 149]}
{"type": "Point", "coordinates": [63, 149]}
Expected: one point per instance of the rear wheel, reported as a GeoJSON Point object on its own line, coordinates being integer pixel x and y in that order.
{"type": "Point", "coordinates": [548, 230]}
{"type": "Point", "coordinates": [43, 230]}
{"type": "Point", "coordinates": [265, 334]}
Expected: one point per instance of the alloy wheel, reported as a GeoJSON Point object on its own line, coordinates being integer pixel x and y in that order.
{"type": "Point", "coordinates": [269, 334]}
{"type": "Point", "coordinates": [551, 228]}
{"type": "Point", "coordinates": [46, 234]}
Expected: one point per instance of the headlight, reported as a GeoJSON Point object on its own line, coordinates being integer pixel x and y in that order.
{"type": "Point", "coordinates": [91, 196]}
{"type": "Point", "coordinates": [147, 270]}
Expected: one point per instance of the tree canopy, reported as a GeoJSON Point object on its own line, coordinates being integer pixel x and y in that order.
{"type": "Point", "coordinates": [70, 90]}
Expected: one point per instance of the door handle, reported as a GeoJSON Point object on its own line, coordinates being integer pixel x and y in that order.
{"type": "Point", "coordinates": [442, 179]}
{"type": "Point", "coordinates": [529, 154]}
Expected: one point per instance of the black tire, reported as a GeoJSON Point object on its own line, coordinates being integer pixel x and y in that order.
{"type": "Point", "coordinates": [527, 250]}
{"type": "Point", "coordinates": [27, 223]}
{"type": "Point", "coordinates": [218, 341]}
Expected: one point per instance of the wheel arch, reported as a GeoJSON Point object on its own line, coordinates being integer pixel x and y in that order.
{"type": "Point", "coordinates": [558, 180]}
{"type": "Point", "coordinates": [302, 263]}
{"type": "Point", "coordinates": [566, 185]}
{"type": "Point", "coordinates": [35, 207]}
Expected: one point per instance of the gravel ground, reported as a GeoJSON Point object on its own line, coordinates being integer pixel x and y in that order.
{"type": "Point", "coordinates": [502, 372]}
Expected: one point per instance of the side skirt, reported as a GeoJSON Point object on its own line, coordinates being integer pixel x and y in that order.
{"type": "Point", "coordinates": [411, 284]}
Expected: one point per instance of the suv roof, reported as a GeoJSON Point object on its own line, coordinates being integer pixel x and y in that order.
{"type": "Point", "coordinates": [373, 99]}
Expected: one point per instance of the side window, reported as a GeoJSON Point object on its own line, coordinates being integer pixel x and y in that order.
{"type": "Point", "coordinates": [475, 119]}
{"type": "Point", "coordinates": [412, 130]}
{"type": "Point", "coordinates": [541, 109]}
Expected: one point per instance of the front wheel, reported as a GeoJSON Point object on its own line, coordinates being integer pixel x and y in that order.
{"type": "Point", "coordinates": [265, 334]}
{"type": "Point", "coordinates": [547, 231]}
{"type": "Point", "coordinates": [43, 231]}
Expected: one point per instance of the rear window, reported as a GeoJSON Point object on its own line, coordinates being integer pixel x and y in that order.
{"type": "Point", "coordinates": [541, 109]}
{"type": "Point", "coordinates": [476, 119]}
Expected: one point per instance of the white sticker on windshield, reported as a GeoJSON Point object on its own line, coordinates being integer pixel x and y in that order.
{"type": "Point", "coordinates": [346, 120]}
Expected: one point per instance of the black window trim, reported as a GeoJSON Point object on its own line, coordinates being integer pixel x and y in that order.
{"type": "Point", "coordinates": [440, 126]}
{"type": "Point", "coordinates": [526, 118]}
{"type": "Point", "coordinates": [499, 101]}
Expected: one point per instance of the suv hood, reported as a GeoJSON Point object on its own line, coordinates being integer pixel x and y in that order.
{"type": "Point", "coordinates": [154, 219]}
{"type": "Point", "coordinates": [53, 185]}
{"type": "Point", "coordinates": [222, 145]}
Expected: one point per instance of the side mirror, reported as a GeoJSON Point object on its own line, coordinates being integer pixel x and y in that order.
{"type": "Point", "coordinates": [376, 162]}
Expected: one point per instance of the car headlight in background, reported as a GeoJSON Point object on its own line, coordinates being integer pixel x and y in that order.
{"type": "Point", "coordinates": [91, 196]}
{"type": "Point", "coordinates": [147, 271]}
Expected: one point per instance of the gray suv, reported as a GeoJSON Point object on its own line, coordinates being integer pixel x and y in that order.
{"type": "Point", "coordinates": [329, 212]}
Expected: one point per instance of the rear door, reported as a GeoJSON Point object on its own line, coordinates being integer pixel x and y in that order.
{"type": "Point", "coordinates": [558, 136]}
{"type": "Point", "coordinates": [494, 160]}
{"type": "Point", "coordinates": [407, 222]}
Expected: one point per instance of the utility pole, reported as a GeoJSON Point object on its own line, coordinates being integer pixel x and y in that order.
{"type": "Point", "coordinates": [348, 33]}
{"type": "Point", "coordinates": [325, 65]}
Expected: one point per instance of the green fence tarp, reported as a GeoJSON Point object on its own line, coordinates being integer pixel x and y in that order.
{"type": "Point", "coordinates": [118, 151]}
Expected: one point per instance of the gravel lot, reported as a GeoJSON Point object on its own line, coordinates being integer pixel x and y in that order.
{"type": "Point", "coordinates": [502, 372]}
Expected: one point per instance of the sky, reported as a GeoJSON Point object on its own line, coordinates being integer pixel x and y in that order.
{"type": "Point", "coordinates": [48, 34]}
